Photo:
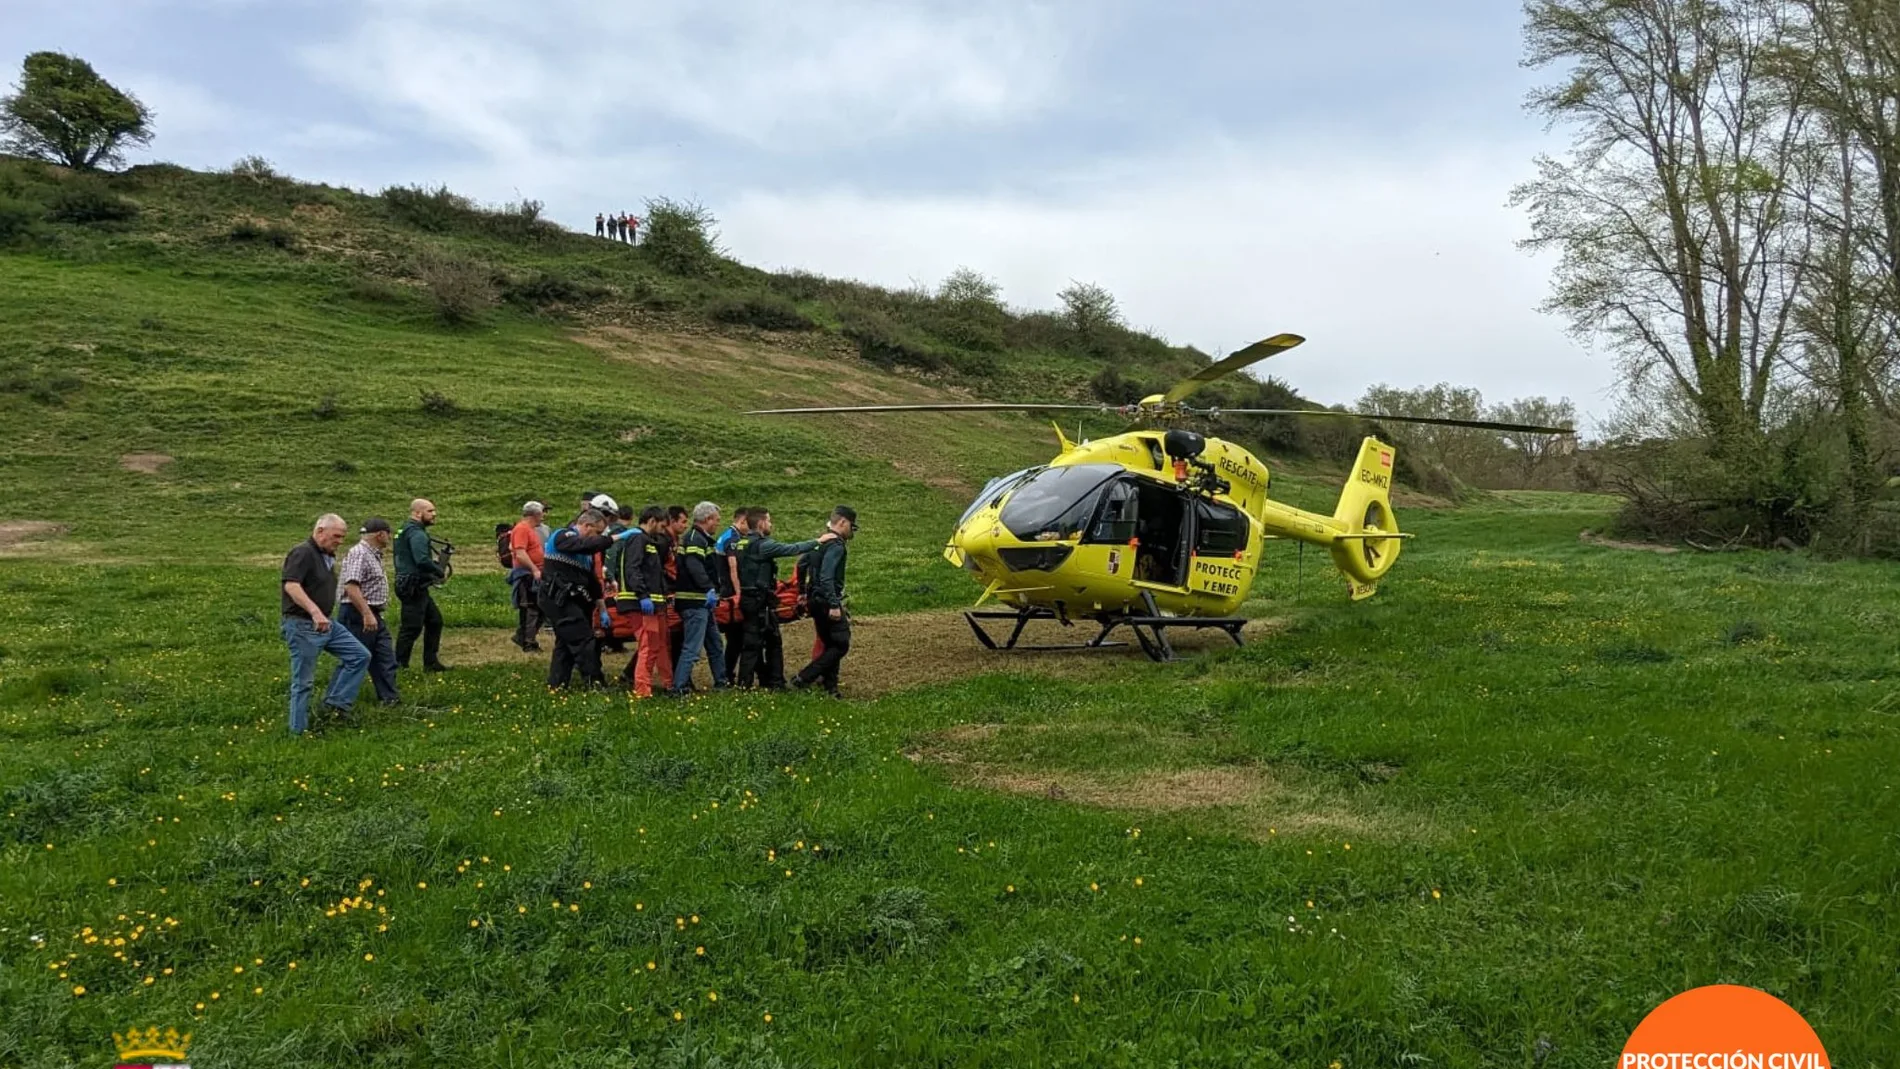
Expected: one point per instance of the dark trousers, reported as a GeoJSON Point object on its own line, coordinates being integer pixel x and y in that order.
{"type": "Point", "coordinates": [527, 611]}
{"type": "Point", "coordinates": [734, 636]}
{"type": "Point", "coordinates": [382, 649]}
{"type": "Point", "coordinates": [420, 619]}
{"type": "Point", "coordinates": [836, 635]}
{"type": "Point", "coordinates": [762, 661]}
{"type": "Point", "coordinates": [574, 644]}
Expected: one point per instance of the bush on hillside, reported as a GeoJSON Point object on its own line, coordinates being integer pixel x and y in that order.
{"type": "Point", "coordinates": [264, 232]}
{"type": "Point", "coordinates": [437, 210]}
{"type": "Point", "coordinates": [437, 403]}
{"type": "Point", "coordinates": [255, 168]}
{"type": "Point", "coordinates": [680, 238]}
{"type": "Point", "coordinates": [883, 343]}
{"type": "Point", "coordinates": [538, 290]}
{"type": "Point", "coordinates": [766, 311]}
{"type": "Point", "coordinates": [460, 288]}
{"type": "Point", "coordinates": [17, 218]}
{"type": "Point", "coordinates": [966, 285]}
{"type": "Point", "coordinates": [90, 202]}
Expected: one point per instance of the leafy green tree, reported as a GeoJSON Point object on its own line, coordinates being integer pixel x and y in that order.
{"type": "Point", "coordinates": [65, 113]}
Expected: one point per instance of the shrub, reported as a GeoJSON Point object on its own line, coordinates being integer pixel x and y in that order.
{"type": "Point", "coordinates": [461, 289]}
{"type": "Point", "coordinates": [680, 237]}
{"type": "Point", "coordinates": [767, 311]}
{"type": "Point", "coordinates": [255, 168]}
{"type": "Point", "coordinates": [48, 387]}
{"type": "Point", "coordinates": [545, 289]}
{"type": "Point", "coordinates": [16, 219]}
{"type": "Point", "coordinates": [327, 407]}
{"type": "Point", "coordinates": [437, 403]}
{"type": "Point", "coordinates": [436, 210]}
{"type": "Point", "coordinates": [884, 343]}
{"type": "Point", "coordinates": [966, 324]}
{"type": "Point", "coordinates": [90, 202]}
{"type": "Point", "coordinates": [265, 232]}
{"type": "Point", "coordinates": [375, 291]}
{"type": "Point", "coordinates": [967, 285]}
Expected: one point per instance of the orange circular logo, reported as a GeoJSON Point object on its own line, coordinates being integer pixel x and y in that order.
{"type": "Point", "coordinates": [1723, 1026]}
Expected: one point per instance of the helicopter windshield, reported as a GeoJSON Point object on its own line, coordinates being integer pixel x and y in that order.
{"type": "Point", "coordinates": [992, 490]}
{"type": "Point", "coordinates": [1054, 505]}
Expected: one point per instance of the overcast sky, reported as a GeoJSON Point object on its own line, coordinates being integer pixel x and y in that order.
{"type": "Point", "coordinates": [1227, 169]}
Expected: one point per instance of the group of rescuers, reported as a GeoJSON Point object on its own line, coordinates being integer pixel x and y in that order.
{"type": "Point", "coordinates": [668, 579]}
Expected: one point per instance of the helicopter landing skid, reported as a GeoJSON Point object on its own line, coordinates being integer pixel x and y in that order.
{"type": "Point", "coordinates": [1151, 631]}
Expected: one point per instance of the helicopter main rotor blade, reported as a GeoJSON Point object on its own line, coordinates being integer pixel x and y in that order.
{"type": "Point", "coordinates": [1476, 424]}
{"type": "Point", "coordinates": [1234, 361]}
{"type": "Point", "coordinates": [972, 407]}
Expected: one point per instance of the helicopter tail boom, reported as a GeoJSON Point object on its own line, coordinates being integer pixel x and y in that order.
{"type": "Point", "coordinates": [1361, 535]}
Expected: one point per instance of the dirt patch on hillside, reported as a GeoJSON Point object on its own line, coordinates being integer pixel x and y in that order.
{"type": "Point", "coordinates": [144, 463]}
{"type": "Point", "coordinates": [891, 653]}
{"type": "Point", "coordinates": [1258, 799]}
{"type": "Point", "coordinates": [1594, 539]}
{"type": "Point", "coordinates": [23, 532]}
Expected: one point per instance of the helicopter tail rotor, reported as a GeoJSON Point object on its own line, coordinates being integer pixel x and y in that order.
{"type": "Point", "coordinates": [1368, 541]}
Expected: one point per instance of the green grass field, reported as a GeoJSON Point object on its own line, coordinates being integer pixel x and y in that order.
{"type": "Point", "coordinates": [1490, 818]}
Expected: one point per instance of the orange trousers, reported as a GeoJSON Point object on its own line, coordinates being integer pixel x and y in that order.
{"type": "Point", "coordinates": [654, 660]}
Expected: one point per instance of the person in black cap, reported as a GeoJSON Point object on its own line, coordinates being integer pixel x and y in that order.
{"type": "Point", "coordinates": [363, 605]}
{"type": "Point", "coordinates": [827, 603]}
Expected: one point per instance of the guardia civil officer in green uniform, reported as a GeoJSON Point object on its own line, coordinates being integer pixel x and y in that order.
{"type": "Point", "coordinates": [827, 601]}
{"type": "Point", "coordinates": [416, 575]}
{"type": "Point", "coordinates": [763, 659]}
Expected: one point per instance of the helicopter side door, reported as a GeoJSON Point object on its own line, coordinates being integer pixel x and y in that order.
{"type": "Point", "coordinates": [1221, 536]}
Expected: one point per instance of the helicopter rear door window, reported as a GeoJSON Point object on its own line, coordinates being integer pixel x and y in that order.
{"type": "Point", "coordinates": [1115, 520]}
{"type": "Point", "coordinates": [1219, 529]}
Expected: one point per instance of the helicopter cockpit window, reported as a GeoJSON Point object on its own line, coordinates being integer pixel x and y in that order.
{"type": "Point", "coordinates": [1219, 529]}
{"type": "Point", "coordinates": [993, 490]}
{"type": "Point", "coordinates": [1115, 521]}
{"type": "Point", "coordinates": [1055, 504]}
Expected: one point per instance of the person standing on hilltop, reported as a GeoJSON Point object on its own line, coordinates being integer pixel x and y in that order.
{"type": "Point", "coordinates": [600, 225]}
{"type": "Point", "coordinates": [633, 230]}
{"type": "Point", "coordinates": [827, 603]}
{"type": "Point", "coordinates": [416, 575]}
{"type": "Point", "coordinates": [308, 589]}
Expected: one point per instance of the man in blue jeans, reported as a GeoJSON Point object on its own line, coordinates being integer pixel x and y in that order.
{"type": "Point", "coordinates": [309, 588]}
{"type": "Point", "coordinates": [696, 595]}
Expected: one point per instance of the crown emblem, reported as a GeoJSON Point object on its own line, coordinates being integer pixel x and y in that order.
{"type": "Point", "coordinates": [151, 1043]}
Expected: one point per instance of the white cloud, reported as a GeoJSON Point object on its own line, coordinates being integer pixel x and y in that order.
{"type": "Point", "coordinates": [567, 75]}
{"type": "Point", "coordinates": [1397, 270]}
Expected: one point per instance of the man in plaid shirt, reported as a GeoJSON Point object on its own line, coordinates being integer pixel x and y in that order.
{"type": "Point", "coordinates": [362, 601]}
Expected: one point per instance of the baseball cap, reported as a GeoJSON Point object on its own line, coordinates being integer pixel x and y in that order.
{"type": "Point", "coordinates": [848, 513]}
{"type": "Point", "coordinates": [533, 507]}
{"type": "Point", "coordinates": [604, 503]}
{"type": "Point", "coordinates": [375, 524]}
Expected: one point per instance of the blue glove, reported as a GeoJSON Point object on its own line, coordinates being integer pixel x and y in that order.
{"type": "Point", "coordinates": [646, 606]}
{"type": "Point", "coordinates": [606, 623]}
{"type": "Point", "coordinates": [712, 598]}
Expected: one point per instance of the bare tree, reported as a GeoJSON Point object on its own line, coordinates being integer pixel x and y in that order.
{"type": "Point", "coordinates": [1536, 453]}
{"type": "Point", "coordinates": [1678, 243]}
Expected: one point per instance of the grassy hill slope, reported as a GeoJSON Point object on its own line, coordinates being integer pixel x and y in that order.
{"type": "Point", "coordinates": [1490, 817]}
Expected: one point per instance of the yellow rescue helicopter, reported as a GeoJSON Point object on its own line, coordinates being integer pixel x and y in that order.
{"type": "Point", "coordinates": [1159, 528]}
